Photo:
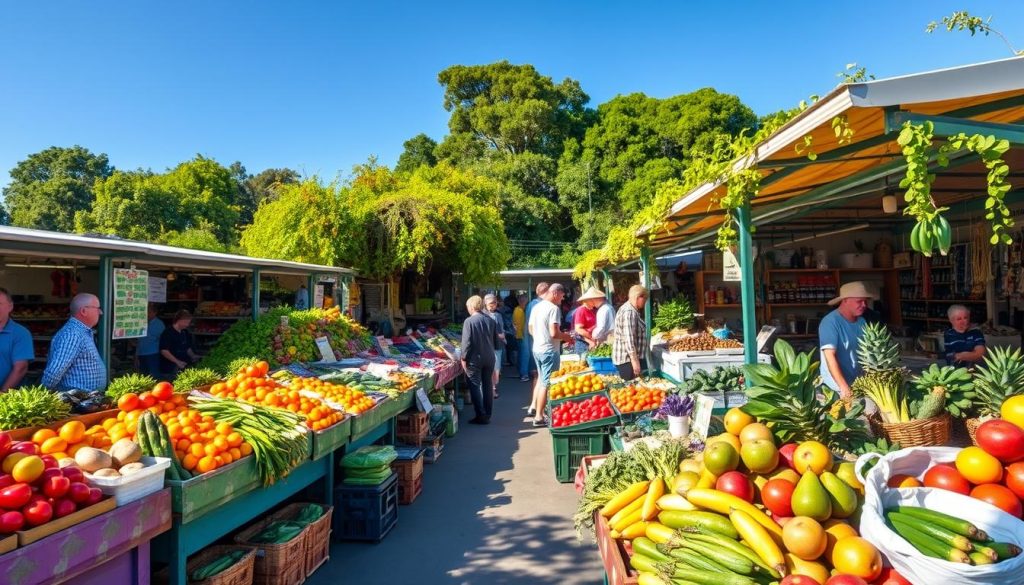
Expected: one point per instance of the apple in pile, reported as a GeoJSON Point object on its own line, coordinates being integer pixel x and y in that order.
{"type": "Point", "coordinates": [35, 490]}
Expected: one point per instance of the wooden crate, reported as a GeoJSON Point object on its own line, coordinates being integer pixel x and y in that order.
{"type": "Point", "coordinates": [412, 423]}
{"type": "Point", "coordinates": [57, 524]}
{"type": "Point", "coordinates": [614, 556]}
{"type": "Point", "coordinates": [238, 574]}
{"type": "Point", "coordinates": [276, 564]}
{"type": "Point", "coordinates": [408, 469]}
{"type": "Point", "coordinates": [408, 491]}
{"type": "Point", "coordinates": [318, 541]}
{"type": "Point", "coordinates": [93, 418]}
{"type": "Point", "coordinates": [409, 440]}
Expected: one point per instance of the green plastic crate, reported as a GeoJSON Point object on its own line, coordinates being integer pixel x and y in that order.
{"type": "Point", "coordinates": [571, 448]}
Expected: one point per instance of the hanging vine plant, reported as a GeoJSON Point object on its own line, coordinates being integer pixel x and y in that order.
{"type": "Point", "coordinates": [932, 229]}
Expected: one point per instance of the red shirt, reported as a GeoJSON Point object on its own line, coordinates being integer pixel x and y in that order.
{"type": "Point", "coordinates": [585, 317]}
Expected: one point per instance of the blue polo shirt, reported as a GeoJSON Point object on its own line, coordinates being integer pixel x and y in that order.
{"type": "Point", "coordinates": [835, 332]}
{"type": "Point", "coordinates": [15, 346]}
{"type": "Point", "coordinates": [960, 342]}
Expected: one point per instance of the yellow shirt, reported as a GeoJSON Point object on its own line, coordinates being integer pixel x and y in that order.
{"type": "Point", "coordinates": [519, 321]}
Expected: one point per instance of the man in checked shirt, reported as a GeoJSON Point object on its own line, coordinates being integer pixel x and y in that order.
{"type": "Point", "coordinates": [73, 361]}
{"type": "Point", "coordinates": [629, 349]}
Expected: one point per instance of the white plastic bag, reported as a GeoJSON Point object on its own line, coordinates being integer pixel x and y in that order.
{"type": "Point", "coordinates": [913, 565]}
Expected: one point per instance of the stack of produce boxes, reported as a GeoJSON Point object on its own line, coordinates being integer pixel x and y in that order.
{"type": "Point", "coordinates": [409, 467]}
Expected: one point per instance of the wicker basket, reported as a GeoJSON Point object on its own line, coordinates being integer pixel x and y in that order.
{"type": "Point", "coordinates": [929, 432]}
{"type": "Point", "coordinates": [240, 573]}
{"type": "Point", "coordinates": [318, 541]}
{"type": "Point", "coordinates": [972, 429]}
{"type": "Point", "coordinates": [277, 564]}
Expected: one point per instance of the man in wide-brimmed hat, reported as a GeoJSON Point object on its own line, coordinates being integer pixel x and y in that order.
{"type": "Point", "coordinates": [839, 334]}
{"type": "Point", "coordinates": [585, 319]}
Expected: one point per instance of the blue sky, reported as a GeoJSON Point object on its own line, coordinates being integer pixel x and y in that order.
{"type": "Point", "coordinates": [320, 86]}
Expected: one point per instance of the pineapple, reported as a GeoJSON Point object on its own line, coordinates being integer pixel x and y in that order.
{"type": "Point", "coordinates": [877, 350]}
{"type": "Point", "coordinates": [1001, 377]}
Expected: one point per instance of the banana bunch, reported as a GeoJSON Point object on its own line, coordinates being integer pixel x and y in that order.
{"type": "Point", "coordinates": [932, 232]}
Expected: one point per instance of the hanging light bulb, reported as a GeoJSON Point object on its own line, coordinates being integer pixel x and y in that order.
{"type": "Point", "coordinates": [889, 204]}
{"type": "Point", "coordinates": [171, 276]}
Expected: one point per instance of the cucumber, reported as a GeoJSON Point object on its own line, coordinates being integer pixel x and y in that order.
{"type": "Point", "coordinates": [165, 450]}
{"type": "Point", "coordinates": [726, 558]}
{"type": "Point", "coordinates": [142, 435]}
{"type": "Point", "coordinates": [697, 560]}
{"type": "Point", "coordinates": [939, 533]}
{"type": "Point", "coordinates": [644, 564]}
{"type": "Point", "coordinates": [648, 548]}
{"type": "Point", "coordinates": [689, 574]}
{"type": "Point", "coordinates": [711, 541]}
{"type": "Point", "coordinates": [1005, 550]}
{"type": "Point", "coordinates": [699, 521]}
{"type": "Point", "coordinates": [979, 558]}
{"type": "Point", "coordinates": [928, 545]}
{"type": "Point", "coordinates": [957, 525]}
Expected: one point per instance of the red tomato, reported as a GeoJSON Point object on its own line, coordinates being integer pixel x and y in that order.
{"type": "Point", "coordinates": [999, 496]}
{"type": "Point", "coordinates": [162, 391]}
{"type": "Point", "coordinates": [27, 447]}
{"type": "Point", "coordinates": [56, 487]}
{"type": "Point", "coordinates": [78, 492]}
{"type": "Point", "coordinates": [147, 400]}
{"type": "Point", "coordinates": [95, 495]}
{"type": "Point", "coordinates": [50, 462]}
{"type": "Point", "coordinates": [11, 521]}
{"type": "Point", "coordinates": [1001, 439]}
{"type": "Point", "coordinates": [5, 444]}
{"type": "Point", "coordinates": [777, 496]}
{"type": "Point", "coordinates": [128, 402]}
{"type": "Point", "coordinates": [889, 576]}
{"type": "Point", "coordinates": [38, 512]}
{"type": "Point", "coordinates": [73, 473]}
{"type": "Point", "coordinates": [1014, 479]}
{"type": "Point", "coordinates": [945, 476]}
{"type": "Point", "coordinates": [63, 506]}
{"type": "Point", "coordinates": [6, 480]}
{"type": "Point", "coordinates": [15, 496]}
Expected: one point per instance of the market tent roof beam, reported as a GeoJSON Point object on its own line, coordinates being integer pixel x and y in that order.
{"type": "Point", "coordinates": [92, 247]}
{"type": "Point", "coordinates": [948, 126]}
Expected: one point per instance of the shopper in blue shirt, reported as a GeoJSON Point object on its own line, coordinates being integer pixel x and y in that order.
{"type": "Point", "coordinates": [839, 335]}
{"type": "Point", "coordinates": [15, 346]}
{"type": "Point", "coordinates": [73, 361]}
{"type": "Point", "coordinates": [148, 350]}
{"type": "Point", "coordinates": [964, 345]}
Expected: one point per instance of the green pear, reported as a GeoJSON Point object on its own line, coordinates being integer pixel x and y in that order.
{"type": "Point", "coordinates": [843, 497]}
{"type": "Point", "coordinates": [811, 499]}
{"type": "Point", "coordinates": [846, 473]}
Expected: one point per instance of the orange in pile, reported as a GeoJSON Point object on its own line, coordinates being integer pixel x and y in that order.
{"type": "Point", "coordinates": [67, 440]}
{"type": "Point", "coordinates": [404, 381]}
{"type": "Point", "coordinates": [575, 386]}
{"type": "Point", "coordinates": [251, 385]}
{"type": "Point", "coordinates": [354, 401]}
{"type": "Point", "coordinates": [200, 443]}
{"type": "Point", "coordinates": [569, 368]}
{"type": "Point", "coordinates": [637, 398]}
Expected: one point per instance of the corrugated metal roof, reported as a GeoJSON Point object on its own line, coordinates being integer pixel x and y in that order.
{"type": "Point", "coordinates": [23, 241]}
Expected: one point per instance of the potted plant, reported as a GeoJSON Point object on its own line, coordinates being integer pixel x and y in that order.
{"type": "Point", "coordinates": [858, 259]}
{"type": "Point", "coordinates": [677, 409]}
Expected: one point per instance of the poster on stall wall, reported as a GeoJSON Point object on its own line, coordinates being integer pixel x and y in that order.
{"type": "Point", "coordinates": [157, 289]}
{"type": "Point", "coordinates": [130, 301]}
{"type": "Point", "coordinates": [326, 351]}
{"type": "Point", "coordinates": [318, 296]}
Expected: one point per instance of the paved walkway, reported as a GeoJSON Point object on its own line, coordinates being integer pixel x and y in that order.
{"type": "Point", "coordinates": [491, 511]}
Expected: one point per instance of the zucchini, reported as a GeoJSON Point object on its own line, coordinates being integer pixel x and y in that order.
{"type": "Point", "coordinates": [939, 533]}
{"type": "Point", "coordinates": [928, 545]}
{"type": "Point", "coordinates": [957, 525]}
{"type": "Point", "coordinates": [1005, 550]}
{"type": "Point", "coordinates": [698, 521]}
{"type": "Point", "coordinates": [645, 546]}
{"type": "Point", "coordinates": [143, 437]}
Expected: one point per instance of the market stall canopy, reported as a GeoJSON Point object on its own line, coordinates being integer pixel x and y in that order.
{"type": "Point", "coordinates": [527, 278]}
{"type": "Point", "coordinates": [29, 242]}
{"type": "Point", "coordinates": [984, 98]}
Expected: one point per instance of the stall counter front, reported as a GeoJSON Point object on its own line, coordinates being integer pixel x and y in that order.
{"type": "Point", "coordinates": [678, 366]}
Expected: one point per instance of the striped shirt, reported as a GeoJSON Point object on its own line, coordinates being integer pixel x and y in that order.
{"type": "Point", "coordinates": [630, 335]}
{"type": "Point", "coordinates": [73, 361]}
{"type": "Point", "coordinates": [956, 342]}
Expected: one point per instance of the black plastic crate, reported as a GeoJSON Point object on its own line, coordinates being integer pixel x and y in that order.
{"type": "Point", "coordinates": [365, 512]}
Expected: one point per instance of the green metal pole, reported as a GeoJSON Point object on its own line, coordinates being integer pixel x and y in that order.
{"type": "Point", "coordinates": [607, 280]}
{"type": "Point", "coordinates": [310, 283]}
{"type": "Point", "coordinates": [255, 294]}
{"type": "Point", "coordinates": [645, 265]}
{"type": "Point", "coordinates": [747, 286]}
{"type": "Point", "coordinates": [106, 302]}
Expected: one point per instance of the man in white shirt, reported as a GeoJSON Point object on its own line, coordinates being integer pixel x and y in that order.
{"type": "Point", "coordinates": [544, 327]}
{"type": "Point", "coordinates": [605, 320]}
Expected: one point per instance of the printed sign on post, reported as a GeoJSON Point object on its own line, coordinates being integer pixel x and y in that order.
{"type": "Point", "coordinates": [701, 418]}
{"type": "Point", "coordinates": [326, 352]}
{"type": "Point", "coordinates": [730, 267]}
{"type": "Point", "coordinates": [157, 289]}
{"type": "Point", "coordinates": [318, 296]}
{"type": "Point", "coordinates": [130, 300]}
{"type": "Point", "coordinates": [423, 401]}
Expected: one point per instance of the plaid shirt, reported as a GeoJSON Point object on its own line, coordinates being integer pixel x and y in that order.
{"type": "Point", "coordinates": [630, 334]}
{"type": "Point", "coordinates": [73, 361]}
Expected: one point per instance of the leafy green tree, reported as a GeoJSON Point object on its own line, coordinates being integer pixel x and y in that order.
{"type": "Point", "coordinates": [5, 218]}
{"type": "Point", "coordinates": [267, 183]}
{"type": "Point", "coordinates": [419, 151]}
{"type": "Point", "coordinates": [512, 108]}
{"type": "Point", "coordinates": [199, 238]}
{"type": "Point", "coordinates": [206, 191]}
{"type": "Point", "coordinates": [50, 186]}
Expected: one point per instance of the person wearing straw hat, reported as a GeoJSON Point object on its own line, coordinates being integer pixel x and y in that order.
{"type": "Point", "coordinates": [839, 335]}
{"type": "Point", "coordinates": [585, 319]}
